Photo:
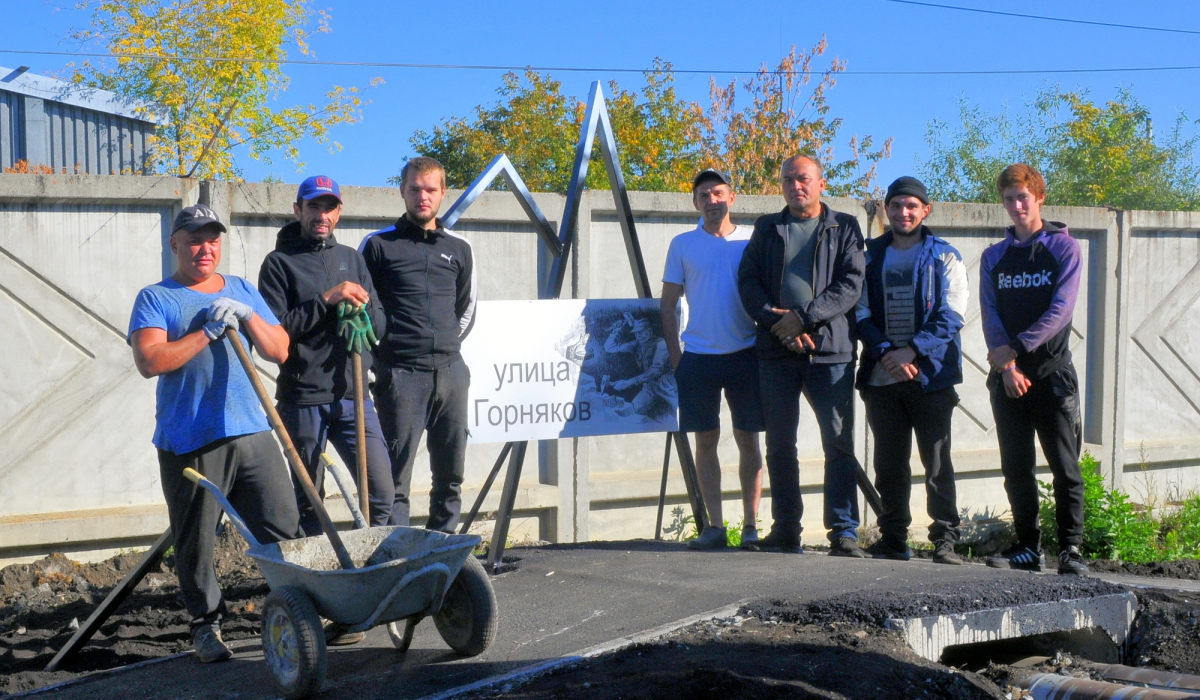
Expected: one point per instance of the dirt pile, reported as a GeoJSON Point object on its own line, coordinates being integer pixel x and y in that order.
{"type": "Point", "coordinates": [1166, 634]}
{"type": "Point", "coordinates": [752, 658]}
{"type": "Point", "coordinates": [40, 604]}
{"type": "Point", "coordinates": [1183, 568]}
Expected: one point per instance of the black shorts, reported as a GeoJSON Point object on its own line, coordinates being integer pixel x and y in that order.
{"type": "Point", "coordinates": [701, 379]}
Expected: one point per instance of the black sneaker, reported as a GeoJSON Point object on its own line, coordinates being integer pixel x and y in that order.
{"type": "Point", "coordinates": [711, 538]}
{"type": "Point", "coordinates": [775, 542]}
{"type": "Point", "coordinates": [943, 553]}
{"type": "Point", "coordinates": [1018, 556]}
{"type": "Point", "coordinates": [846, 547]}
{"type": "Point", "coordinates": [884, 549]}
{"type": "Point", "coordinates": [209, 645]}
{"type": "Point", "coordinates": [1070, 561]}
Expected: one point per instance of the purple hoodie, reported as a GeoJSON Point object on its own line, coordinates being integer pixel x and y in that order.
{"type": "Point", "coordinates": [1027, 294]}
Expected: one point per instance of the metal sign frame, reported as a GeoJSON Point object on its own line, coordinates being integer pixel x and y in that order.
{"type": "Point", "coordinates": [595, 123]}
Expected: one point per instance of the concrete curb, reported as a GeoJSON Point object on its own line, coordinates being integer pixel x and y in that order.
{"type": "Point", "coordinates": [527, 673]}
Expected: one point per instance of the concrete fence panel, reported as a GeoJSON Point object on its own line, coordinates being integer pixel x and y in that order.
{"type": "Point", "coordinates": [78, 472]}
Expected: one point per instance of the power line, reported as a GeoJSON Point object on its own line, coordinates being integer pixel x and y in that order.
{"type": "Point", "coordinates": [590, 69]}
{"type": "Point", "coordinates": [1044, 17]}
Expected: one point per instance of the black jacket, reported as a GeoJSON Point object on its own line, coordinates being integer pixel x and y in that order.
{"type": "Point", "coordinates": [426, 283]}
{"type": "Point", "coordinates": [293, 279]}
{"type": "Point", "coordinates": [838, 268]}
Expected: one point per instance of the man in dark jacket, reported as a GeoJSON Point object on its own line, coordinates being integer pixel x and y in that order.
{"type": "Point", "coordinates": [799, 279]}
{"type": "Point", "coordinates": [304, 280]}
{"type": "Point", "coordinates": [911, 311]}
{"type": "Point", "coordinates": [425, 275]}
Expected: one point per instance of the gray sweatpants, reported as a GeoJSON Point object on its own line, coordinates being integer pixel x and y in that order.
{"type": "Point", "coordinates": [251, 473]}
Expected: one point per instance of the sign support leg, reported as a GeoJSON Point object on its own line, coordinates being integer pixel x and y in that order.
{"type": "Point", "coordinates": [508, 500]}
{"type": "Point", "coordinates": [662, 490]}
{"type": "Point", "coordinates": [691, 481]}
{"type": "Point", "coordinates": [487, 486]}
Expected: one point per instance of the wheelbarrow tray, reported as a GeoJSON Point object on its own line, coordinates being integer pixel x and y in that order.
{"type": "Point", "coordinates": [401, 572]}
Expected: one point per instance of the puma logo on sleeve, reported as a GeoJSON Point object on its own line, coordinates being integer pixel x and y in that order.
{"type": "Point", "coordinates": [449, 258]}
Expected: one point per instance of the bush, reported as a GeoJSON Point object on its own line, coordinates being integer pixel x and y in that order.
{"type": "Point", "coordinates": [1116, 528]}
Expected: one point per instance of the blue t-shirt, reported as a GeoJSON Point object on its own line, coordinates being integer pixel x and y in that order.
{"type": "Point", "coordinates": [210, 397]}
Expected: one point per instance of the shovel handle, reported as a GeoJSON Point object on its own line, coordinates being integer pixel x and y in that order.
{"type": "Point", "coordinates": [289, 449]}
{"type": "Point", "coordinates": [360, 437]}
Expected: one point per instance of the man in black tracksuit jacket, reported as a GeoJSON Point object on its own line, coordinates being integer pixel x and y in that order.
{"type": "Point", "coordinates": [800, 278]}
{"type": "Point", "coordinates": [303, 280]}
{"type": "Point", "coordinates": [425, 275]}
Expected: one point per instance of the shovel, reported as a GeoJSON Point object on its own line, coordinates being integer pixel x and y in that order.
{"type": "Point", "coordinates": [289, 449]}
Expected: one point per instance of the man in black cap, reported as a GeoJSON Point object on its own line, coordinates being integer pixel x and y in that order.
{"type": "Point", "coordinates": [912, 307]}
{"type": "Point", "coordinates": [305, 280]}
{"type": "Point", "coordinates": [718, 352]}
{"type": "Point", "coordinates": [208, 416]}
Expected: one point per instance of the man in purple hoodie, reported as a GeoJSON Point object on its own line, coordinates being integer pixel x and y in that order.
{"type": "Point", "coordinates": [1028, 284]}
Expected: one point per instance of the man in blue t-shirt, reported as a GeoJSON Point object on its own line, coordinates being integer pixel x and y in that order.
{"type": "Point", "coordinates": [208, 416]}
{"type": "Point", "coordinates": [719, 354]}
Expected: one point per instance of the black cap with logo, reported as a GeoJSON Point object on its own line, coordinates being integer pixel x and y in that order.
{"type": "Point", "coordinates": [197, 217]}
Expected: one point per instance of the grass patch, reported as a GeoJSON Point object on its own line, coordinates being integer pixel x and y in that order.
{"type": "Point", "coordinates": [1115, 527]}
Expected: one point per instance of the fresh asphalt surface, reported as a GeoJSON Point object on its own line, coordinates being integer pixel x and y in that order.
{"type": "Point", "coordinates": [559, 600]}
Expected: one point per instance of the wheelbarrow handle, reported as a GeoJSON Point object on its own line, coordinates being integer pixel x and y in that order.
{"type": "Point", "coordinates": [344, 483]}
{"type": "Point", "coordinates": [198, 479]}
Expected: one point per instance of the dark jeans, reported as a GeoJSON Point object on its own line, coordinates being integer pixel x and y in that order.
{"type": "Point", "coordinates": [413, 401]}
{"type": "Point", "coordinates": [829, 390]}
{"type": "Point", "coordinates": [894, 413]}
{"type": "Point", "coordinates": [1051, 410]}
{"type": "Point", "coordinates": [311, 426]}
{"type": "Point", "coordinates": [250, 471]}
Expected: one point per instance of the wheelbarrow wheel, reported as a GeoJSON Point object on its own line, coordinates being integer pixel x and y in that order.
{"type": "Point", "coordinates": [469, 617]}
{"type": "Point", "coordinates": [293, 642]}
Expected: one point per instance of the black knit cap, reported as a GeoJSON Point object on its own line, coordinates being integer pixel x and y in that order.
{"type": "Point", "coordinates": [907, 186]}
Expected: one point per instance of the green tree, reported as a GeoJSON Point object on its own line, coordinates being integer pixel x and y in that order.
{"type": "Point", "coordinates": [662, 139]}
{"type": "Point", "coordinates": [1090, 155]}
{"type": "Point", "coordinates": [213, 106]}
{"type": "Point", "coordinates": [537, 126]}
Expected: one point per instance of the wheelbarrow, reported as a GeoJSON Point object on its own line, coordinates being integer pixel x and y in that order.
{"type": "Point", "coordinates": [400, 574]}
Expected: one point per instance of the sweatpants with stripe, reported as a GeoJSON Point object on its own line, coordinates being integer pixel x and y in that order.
{"type": "Point", "coordinates": [1049, 411]}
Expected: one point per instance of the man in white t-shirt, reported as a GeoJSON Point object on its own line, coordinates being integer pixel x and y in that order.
{"type": "Point", "coordinates": [718, 352]}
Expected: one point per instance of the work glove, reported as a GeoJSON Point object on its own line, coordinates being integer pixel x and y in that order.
{"type": "Point", "coordinates": [214, 328]}
{"type": "Point", "coordinates": [354, 324]}
{"type": "Point", "coordinates": [223, 307]}
{"type": "Point", "coordinates": [225, 313]}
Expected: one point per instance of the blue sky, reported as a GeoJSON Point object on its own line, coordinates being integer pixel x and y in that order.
{"type": "Point", "coordinates": [869, 34]}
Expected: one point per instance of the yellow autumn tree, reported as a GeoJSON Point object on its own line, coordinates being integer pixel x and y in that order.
{"type": "Point", "coordinates": [783, 111]}
{"type": "Point", "coordinates": [211, 68]}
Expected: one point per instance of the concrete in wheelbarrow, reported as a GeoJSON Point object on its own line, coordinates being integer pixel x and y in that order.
{"type": "Point", "coordinates": [559, 600]}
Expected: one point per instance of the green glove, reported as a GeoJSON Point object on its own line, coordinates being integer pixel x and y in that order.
{"type": "Point", "coordinates": [354, 324]}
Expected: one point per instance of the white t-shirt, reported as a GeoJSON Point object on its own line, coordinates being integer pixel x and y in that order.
{"type": "Point", "coordinates": [707, 267]}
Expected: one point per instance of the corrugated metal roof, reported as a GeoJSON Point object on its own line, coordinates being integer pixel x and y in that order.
{"type": "Point", "coordinates": [47, 88]}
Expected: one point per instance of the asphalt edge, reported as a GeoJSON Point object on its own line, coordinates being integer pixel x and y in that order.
{"type": "Point", "coordinates": [528, 673]}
